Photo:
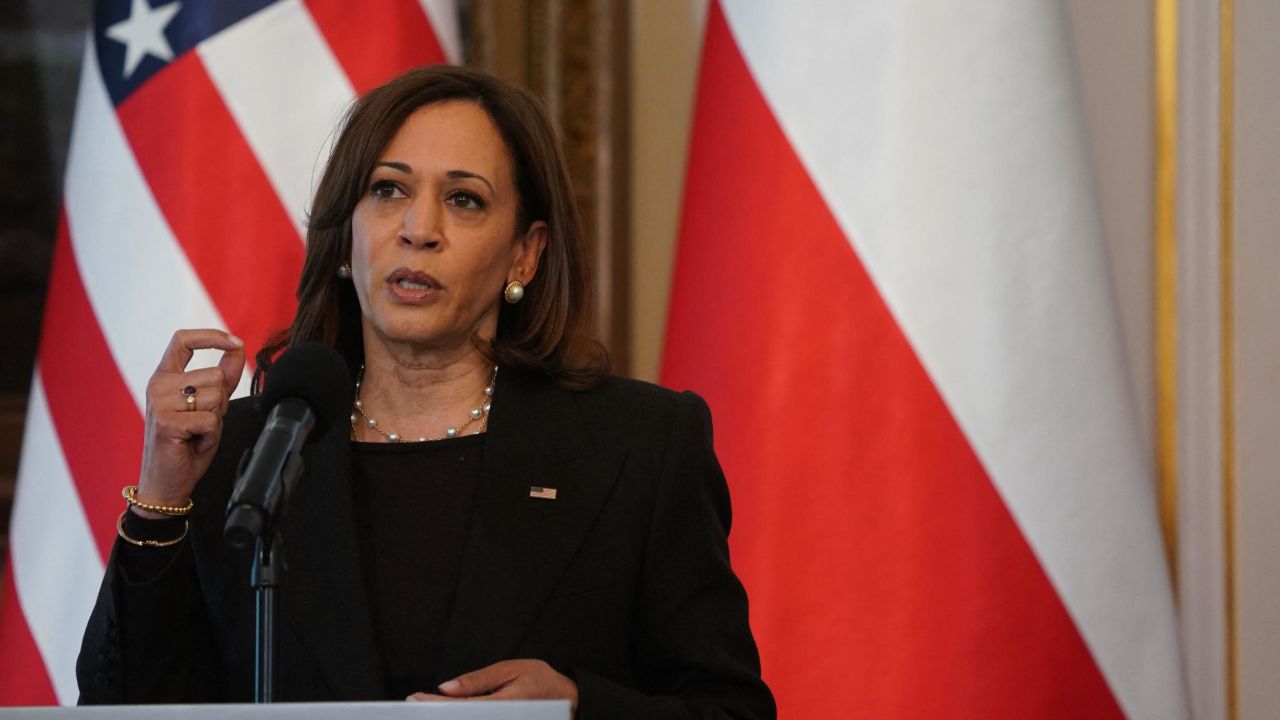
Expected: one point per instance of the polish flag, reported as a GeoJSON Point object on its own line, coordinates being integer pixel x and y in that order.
{"type": "Point", "coordinates": [201, 127]}
{"type": "Point", "coordinates": [892, 288]}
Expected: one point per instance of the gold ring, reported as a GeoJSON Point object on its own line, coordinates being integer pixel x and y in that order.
{"type": "Point", "coordinates": [191, 403]}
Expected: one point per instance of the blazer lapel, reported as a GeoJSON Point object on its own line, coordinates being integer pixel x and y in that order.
{"type": "Point", "coordinates": [323, 598]}
{"type": "Point", "coordinates": [519, 545]}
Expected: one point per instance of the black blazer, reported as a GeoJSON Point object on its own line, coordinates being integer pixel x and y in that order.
{"type": "Point", "coordinates": [622, 582]}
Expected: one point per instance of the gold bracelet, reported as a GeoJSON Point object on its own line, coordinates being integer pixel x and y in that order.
{"type": "Point", "coordinates": [130, 493]}
{"type": "Point", "coordinates": [186, 525]}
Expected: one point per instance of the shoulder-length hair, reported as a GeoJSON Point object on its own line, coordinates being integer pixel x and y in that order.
{"type": "Point", "coordinates": [547, 332]}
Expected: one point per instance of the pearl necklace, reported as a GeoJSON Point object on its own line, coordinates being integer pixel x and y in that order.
{"type": "Point", "coordinates": [479, 412]}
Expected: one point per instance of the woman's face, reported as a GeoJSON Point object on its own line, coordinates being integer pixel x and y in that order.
{"type": "Point", "coordinates": [434, 238]}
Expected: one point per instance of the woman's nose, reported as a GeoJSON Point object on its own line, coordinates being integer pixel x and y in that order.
{"type": "Point", "coordinates": [421, 226]}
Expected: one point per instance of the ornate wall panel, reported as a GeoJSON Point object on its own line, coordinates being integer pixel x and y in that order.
{"type": "Point", "coordinates": [573, 54]}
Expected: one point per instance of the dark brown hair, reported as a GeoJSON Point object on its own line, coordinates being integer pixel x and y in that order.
{"type": "Point", "coordinates": [546, 332]}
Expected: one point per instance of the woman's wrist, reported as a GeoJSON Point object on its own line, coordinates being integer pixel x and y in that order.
{"type": "Point", "coordinates": [149, 505]}
{"type": "Point", "coordinates": [149, 514]}
{"type": "Point", "coordinates": [165, 532]}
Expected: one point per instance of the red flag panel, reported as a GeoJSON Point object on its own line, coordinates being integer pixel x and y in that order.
{"type": "Point", "coordinates": [886, 576]}
{"type": "Point", "coordinates": [96, 418]}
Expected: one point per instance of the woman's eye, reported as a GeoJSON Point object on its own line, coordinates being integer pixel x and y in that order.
{"type": "Point", "coordinates": [464, 200]}
{"type": "Point", "coordinates": [385, 190]}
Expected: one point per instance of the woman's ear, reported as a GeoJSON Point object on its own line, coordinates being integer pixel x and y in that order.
{"type": "Point", "coordinates": [529, 249]}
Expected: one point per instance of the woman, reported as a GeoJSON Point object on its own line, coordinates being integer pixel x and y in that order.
{"type": "Point", "coordinates": [550, 532]}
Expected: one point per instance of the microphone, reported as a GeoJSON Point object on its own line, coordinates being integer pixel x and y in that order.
{"type": "Point", "coordinates": [307, 390]}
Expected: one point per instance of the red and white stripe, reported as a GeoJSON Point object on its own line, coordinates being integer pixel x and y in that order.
{"type": "Point", "coordinates": [892, 288]}
{"type": "Point", "coordinates": [184, 207]}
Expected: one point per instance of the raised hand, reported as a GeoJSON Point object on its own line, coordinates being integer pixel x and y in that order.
{"type": "Point", "coordinates": [182, 435]}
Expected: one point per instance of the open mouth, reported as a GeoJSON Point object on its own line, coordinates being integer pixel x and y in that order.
{"type": "Point", "coordinates": [408, 284]}
{"type": "Point", "coordinates": [412, 285]}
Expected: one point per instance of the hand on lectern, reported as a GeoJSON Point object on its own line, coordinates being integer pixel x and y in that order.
{"type": "Point", "coordinates": [508, 680]}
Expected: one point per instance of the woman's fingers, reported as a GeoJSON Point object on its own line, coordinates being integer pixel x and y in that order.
{"type": "Point", "coordinates": [232, 366]}
{"type": "Point", "coordinates": [202, 389]}
{"type": "Point", "coordinates": [429, 697]}
{"type": "Point", "coordinates": [513, 680]}
{"type": "Point", "coordinates": [184, 426]}
{"type": "Point", "coordinates": [483, 681]}
{"type": "Point", "coordinates": [184, 343]}
{"type": "Point", "coordinates": [173, 387]}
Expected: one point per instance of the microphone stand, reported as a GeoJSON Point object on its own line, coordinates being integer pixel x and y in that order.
{"type": "Point", "coordinates": [266, 574]}
{"type": "Point", "coordinates": [268, 569]}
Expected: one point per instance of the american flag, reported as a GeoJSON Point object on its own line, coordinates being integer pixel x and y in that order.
{"type": "Point", "coordinates": [200, 130]}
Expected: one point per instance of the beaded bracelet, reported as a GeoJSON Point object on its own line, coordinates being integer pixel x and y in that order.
{"type": "Point", "coordinates": [186, 525]}
{"type": "Point", "coordinates": [130, 493]}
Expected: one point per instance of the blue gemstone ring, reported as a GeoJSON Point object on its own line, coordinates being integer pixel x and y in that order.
{"type": "Point", "coordinates": [189, 390]}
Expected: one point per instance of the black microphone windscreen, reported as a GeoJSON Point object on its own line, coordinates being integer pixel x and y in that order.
{"type": "Point", "coordinates": [315, 374]}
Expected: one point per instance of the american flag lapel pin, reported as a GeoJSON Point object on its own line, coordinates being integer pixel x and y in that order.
{"type": "Point", "coordinates": [543, 493]}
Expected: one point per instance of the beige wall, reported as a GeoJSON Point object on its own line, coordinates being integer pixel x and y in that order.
{"type": "Point", "coordinates": [1114, 54]}
{"type": "Point", "coordinates": [1257, 353]}
{"type": "Point", "coordinates": [666, 40]}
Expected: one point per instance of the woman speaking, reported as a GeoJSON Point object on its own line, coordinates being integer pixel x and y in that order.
{"type": "Point", "coordinates": [500, 519]}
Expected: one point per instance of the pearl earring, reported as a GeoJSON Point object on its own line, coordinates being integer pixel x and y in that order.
{"type": "Point", "coordinates": [344, 271]}
{"type": "Point", "coordinates": [514, 292]}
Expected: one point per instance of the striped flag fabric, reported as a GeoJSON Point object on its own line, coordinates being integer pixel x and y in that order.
{"type": "Point", "coordinates": [892, 288]}
{"type": "Point", "coordinates": [201, 128]}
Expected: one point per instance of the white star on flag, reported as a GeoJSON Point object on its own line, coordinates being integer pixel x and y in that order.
{"type": "Point", "coordinates": [143, 33]}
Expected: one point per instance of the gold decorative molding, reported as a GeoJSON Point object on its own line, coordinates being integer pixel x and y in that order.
{"type": "Point", "coordinates": [1166, 273]}
{"type": "Point", "coordinates": [1226, 127]}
